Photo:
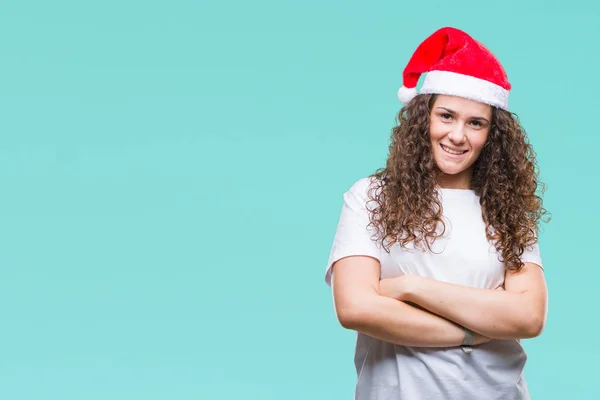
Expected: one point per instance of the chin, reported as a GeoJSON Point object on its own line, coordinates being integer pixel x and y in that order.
{"type": "Point", "coordinates": [452, 171]}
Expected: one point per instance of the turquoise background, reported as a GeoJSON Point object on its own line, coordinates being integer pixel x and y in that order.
{"type": "Point", "coordinates": [171, 176]}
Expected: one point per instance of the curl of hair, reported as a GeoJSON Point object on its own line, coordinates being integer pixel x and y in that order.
{"type": "Point", "coordinates": [408, 208]}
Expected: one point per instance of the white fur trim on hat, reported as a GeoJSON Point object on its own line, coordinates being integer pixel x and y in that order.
{"type": "Point", "coordinates": [469, 87]}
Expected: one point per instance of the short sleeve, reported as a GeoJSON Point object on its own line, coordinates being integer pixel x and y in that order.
{"type": "Point", "coordinates": [532, 254]}
{"type": "Point", "coordinates": [353, 236]}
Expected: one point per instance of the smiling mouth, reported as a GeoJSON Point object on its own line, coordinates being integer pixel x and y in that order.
{"type": "Point", "coordinates": [453, 152]}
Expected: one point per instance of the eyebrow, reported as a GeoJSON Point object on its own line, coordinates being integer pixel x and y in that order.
{"type": "Point", "coordinates": [454, 113]}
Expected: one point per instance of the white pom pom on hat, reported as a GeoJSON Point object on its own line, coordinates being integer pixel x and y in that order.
{"type": "Point", "coordinates": [456, 65]}
{"type": "Point", "coordinates": [405, 94]}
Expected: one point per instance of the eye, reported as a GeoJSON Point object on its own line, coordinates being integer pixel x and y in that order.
{"type": "Point", "coordinates": [476, 124]}
{"type": "Point", "coordinates": [446, 116]}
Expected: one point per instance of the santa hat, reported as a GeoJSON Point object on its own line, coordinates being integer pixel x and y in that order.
{"type": "Point", "coordinates": [456, 65]}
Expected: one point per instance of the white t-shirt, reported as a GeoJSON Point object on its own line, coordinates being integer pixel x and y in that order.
{"type": "Point", "coordinates": [464, 256]}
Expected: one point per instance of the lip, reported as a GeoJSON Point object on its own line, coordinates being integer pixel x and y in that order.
{"type": "Point", "coordinates": [453, 155]}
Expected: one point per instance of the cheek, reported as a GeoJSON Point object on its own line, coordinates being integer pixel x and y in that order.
{"type": "Point", "coordinates": [478, 141]}
{"type": "Point", "coordinates": [436, 130]}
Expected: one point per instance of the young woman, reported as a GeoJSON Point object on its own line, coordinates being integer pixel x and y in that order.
{"type": "Point", "coordinates": [435, 261]}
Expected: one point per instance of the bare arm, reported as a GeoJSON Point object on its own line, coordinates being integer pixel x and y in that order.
{"type": "Point", "coordinates": [360, 307]}
{"type": "Point", "coordinates": [517, 312]}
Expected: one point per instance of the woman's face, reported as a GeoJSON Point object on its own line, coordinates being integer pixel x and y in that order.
{"type": "Point", "coordinates": [458, 130]}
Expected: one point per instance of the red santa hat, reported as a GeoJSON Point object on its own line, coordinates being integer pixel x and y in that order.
{"type": "Point", "coordinates": [456, 65]}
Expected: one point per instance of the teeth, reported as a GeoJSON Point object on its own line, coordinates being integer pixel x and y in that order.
{"type": "Point", "coordinates": [452, 151]}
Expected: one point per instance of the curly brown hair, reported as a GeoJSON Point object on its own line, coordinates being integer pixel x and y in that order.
{"type": "Point", "coordinates": [505, 176]}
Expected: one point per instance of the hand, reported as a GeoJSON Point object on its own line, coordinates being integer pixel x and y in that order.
{"type": "Point", "coordinates": [478, 338]}
{"type": "Point", "coordinates": [387, 288]}
{"type": "Point", "coordinates": [398, 287]}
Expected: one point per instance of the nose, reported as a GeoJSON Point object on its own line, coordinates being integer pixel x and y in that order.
{"type": "Point", "coordinates": [457, 134]}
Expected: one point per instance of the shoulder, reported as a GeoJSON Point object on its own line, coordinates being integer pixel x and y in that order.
{"type": "Point", "coordinates": [361, 187]}
{"type": "Point", "coordinates": [361, 193]}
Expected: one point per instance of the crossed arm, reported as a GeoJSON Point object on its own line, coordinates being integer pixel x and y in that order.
{"type": "Point", "coordinates": [380, 308]}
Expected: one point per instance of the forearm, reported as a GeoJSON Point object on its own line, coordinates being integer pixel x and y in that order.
{"type": "Point", "coordinates": [400, 323]}
{"type": "Point", "coordinates": [492, 313]}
